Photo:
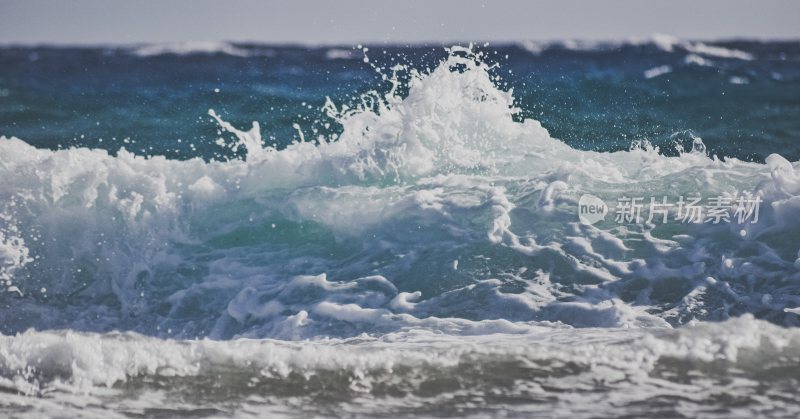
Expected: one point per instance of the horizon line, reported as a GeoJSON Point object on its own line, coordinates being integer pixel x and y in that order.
{"type": "Point", "coordinates": [431, 43]}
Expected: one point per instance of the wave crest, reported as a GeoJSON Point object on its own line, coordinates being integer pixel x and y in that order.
{"type": "Point", "coordinates": [436, 210]}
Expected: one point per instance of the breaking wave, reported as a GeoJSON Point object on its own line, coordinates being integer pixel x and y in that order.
{"type": "Point", "coordinates": [437, 219]}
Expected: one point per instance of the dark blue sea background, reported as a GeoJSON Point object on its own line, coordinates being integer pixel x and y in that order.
{"type": "Point", "coordinates": [593, 98]}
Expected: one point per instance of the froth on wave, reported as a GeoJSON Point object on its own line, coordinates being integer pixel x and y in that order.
{"type": "Point", "coordinates": [586, 373]}
{"type": "Point", "coordinates": [436, 210]}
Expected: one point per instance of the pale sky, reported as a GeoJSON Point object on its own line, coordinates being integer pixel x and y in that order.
{"type": "Point", "coordinates": [355, 21]}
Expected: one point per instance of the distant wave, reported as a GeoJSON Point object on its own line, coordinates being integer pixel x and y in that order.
{"type": "Point", "coordinates": [657, 71]}
{"type": "Point", "coordinates": [187, 48]}
{"type": "Point", "coordinates": [694, 59]}
{"type": "Point", "coordinates": [339, 54]}
{"type": "Point", "coordinates": [666, 43]}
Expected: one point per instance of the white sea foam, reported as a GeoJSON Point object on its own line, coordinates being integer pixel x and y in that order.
{"type": "Point", "coordinates": [447, 155]}
{"type": "Point", "coordinates": [587, 373]}
{"type": "Point", "coordinates": [359, 234]}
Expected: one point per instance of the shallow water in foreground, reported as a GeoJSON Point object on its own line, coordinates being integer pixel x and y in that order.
{"type": "Point", "coordinates": [739, 368]}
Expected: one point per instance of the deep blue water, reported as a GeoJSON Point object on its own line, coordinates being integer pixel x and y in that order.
{"type": "Point", "coordinates": [594, 98]}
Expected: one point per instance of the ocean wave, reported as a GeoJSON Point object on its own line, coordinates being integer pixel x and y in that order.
{"type": "Point", "coordinates": [188, 48]}
{"type": "Point", "coordinates": [438, 210]}
{"type": "Point", "coordinates": [550, 371]}
{"type": "Point", "coordinates": [662, 42]}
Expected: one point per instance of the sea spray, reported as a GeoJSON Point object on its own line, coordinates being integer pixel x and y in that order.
{"type": "Point", "coordinates": [329, 264]}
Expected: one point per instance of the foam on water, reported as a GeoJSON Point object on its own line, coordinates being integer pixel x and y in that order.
{"type": "Point", "coordinates": [436, 219]}
{"type": "Point", "coordinates": [552, 372]}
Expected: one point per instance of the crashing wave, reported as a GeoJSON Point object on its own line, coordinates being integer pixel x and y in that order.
{"type": "Point", "coordinates": [593, 372]}
{"type": "Point", "coordinates": [437, 210]}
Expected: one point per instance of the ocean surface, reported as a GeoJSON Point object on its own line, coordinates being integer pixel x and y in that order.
{"type": "Point", "coordinates": [219, 229]}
